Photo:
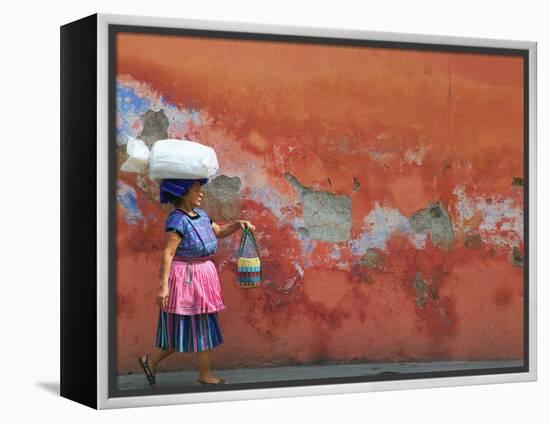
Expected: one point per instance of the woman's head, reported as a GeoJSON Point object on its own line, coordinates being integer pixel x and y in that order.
{"type": "Point", "coordinates": [176, 191]}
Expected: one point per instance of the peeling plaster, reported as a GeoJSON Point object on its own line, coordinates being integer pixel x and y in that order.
{"type": "Point", "coordinates": [381, 157]}
{"type": "Point", "coordinates": [135, 98]}
{"type": "Point", "coordinates": [415, 155]}
{"type": "Point", "coordinates": [501, 221]}
{"type": "Point", "coordinates": [380, 224]}
{"type": "Point", "coordinates": [270, 199]}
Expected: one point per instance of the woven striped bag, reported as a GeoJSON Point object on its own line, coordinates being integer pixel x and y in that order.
{"type": "Point", "coordinates": [249, 270]}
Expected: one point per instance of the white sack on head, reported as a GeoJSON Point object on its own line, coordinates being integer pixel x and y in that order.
{"type": "Point", "coordinates": [181, 159]}
{"type": "Point", "coordinates": [138, 156]}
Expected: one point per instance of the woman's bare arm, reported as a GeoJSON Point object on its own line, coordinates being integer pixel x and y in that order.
{"type": "Point", "coordinates": [224, 230]}
{"type": "Point", "coordinates": [172, 240]}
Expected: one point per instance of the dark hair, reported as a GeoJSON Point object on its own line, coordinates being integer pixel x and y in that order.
{"type": "Point", "coordinates": [173, 199]}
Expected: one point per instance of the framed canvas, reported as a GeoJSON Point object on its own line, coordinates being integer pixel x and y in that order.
{"type": "Point", "coordinates": [387, 179]}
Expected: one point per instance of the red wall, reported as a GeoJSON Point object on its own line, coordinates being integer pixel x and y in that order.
{"type": "Point", "coordinates": [410, 159]}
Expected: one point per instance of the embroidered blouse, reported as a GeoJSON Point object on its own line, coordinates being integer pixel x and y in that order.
{"type": "Point", "coordinates": [198, 238]}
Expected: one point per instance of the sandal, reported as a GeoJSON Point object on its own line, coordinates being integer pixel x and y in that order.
{"type": "Point", "coordinates": [219, 382]}
{"type": "Point", "coordinates": [148, 373]}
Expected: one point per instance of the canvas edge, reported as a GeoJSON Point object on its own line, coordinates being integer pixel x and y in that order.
{"type": "Point", "coordinates": [533, 224]}
{"type": "Point", "coordinates": [103, 400]}
{"type": "Point", "coordinates": [102, 213]}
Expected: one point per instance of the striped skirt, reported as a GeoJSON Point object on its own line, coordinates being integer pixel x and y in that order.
{"type": "Point", "coordinates": [188, 333]}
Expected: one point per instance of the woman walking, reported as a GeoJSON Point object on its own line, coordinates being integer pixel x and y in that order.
{"type": "Point", "coordinates": [190, 294]}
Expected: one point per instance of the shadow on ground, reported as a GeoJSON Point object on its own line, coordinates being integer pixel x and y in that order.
{"type": "Point", "coordinates": [51, 387]}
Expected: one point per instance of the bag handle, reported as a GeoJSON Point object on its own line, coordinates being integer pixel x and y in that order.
{"type": "Point", "coordinates": [246, 233]}
{"type": "Point", "coordinates": [241, 244]}
{"type": "Point", "coordinates": [253, 241]}
{"type": "Point", "coordinates": [195, 229]}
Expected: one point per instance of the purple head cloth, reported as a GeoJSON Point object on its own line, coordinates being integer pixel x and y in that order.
{"type": "Point", "coordinates": [176, 187]}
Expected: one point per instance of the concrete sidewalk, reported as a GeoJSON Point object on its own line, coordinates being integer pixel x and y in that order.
{"type": "Point", "coordinates": [272, 374]}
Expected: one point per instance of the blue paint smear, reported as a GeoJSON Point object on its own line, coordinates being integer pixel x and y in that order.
{"type": "Point", "coordinates": [130, 103]}
{"type": "Point", "coordinates": [126, 197]}
{"type": "Point", "coordinates": [307, 246]}
{"type": "Point", "coordinates": [129, 107]}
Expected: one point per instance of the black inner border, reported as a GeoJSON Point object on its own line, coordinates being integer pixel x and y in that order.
{"type": "Point", "coordinates": [115, 29]}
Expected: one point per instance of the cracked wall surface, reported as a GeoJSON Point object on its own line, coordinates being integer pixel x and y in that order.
{"type": "Point", "coordinates": [386, 186]}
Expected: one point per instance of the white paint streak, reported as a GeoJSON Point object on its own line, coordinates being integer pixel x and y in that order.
{"type": "Point", "coordinates": [335, 253]}
{"type": "Point", "coordinates": [465, 208]}
{"type": "Point", "coordinates": [343, 266]}
{"type": "Point", "coordinates": [415, 155]}
{"type": "Point", "coordinates": [299, 269]}
{"type": "Point", "coordinates": [419, 240]}
{"type": "Point", "coordinates": [381, 157]}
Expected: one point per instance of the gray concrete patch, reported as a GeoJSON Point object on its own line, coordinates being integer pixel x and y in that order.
{"type": "Point", "coordinates": [473, 241]}
{"type": "Point", "coordinates": [327, 217]}
{"type": "Point", "coordinates": [373, 257]}
{"type": "Point", "coordinates": [224, 186]}
{"type": "Point", "coordinates": [356, 184]}
{"type": "Point", "coordinates": [222, 197]}
{"type": "Point", "coordinates": [155, 126]}
{"type": "Point", "coordinates": [517, 256]}
{"type": "Point", "coordinates": [420, 288]}
{"type": "Point", "coordinates": [435, 219]}
{"type": "Point", "coordinates": [517, 182]}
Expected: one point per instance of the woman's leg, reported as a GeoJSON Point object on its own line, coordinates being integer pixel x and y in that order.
{"type": "Point", "coordinates": [158, 357]}
{"type": "Point", "coordinates": [204, 367]}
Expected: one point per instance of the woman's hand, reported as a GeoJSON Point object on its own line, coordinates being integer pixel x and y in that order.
{"type": "Point", "coordinates": [247, 224]}
{"type": "Point", "coordinates": [162, 296]}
